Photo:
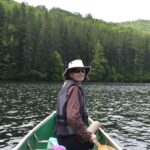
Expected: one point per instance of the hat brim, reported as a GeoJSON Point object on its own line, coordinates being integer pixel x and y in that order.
{"type": "Point", "coordinates": [87, 70]}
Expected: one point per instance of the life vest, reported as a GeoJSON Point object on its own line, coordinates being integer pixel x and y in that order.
{"type": "Point", "coordinates": [62, 126]}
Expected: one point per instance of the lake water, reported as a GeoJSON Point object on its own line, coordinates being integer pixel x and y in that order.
{"type": "Point", "coordinates": [122, 109]}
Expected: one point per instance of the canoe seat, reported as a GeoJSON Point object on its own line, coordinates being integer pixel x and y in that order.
{"type": "Point", "coordinates": [40, 141]}
{"type": "Point", "coordinates": [45, 142]}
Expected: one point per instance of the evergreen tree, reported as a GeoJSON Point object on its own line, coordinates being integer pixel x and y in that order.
{"type": "Point", "coordinates": [2, 22]}
{"type": "Point", "coordinates": [43, 53]}
{"type": "Point", "coordinates": [112, 75]}
{"type": "Point", "coordinates": [56, 68]}
{"type": "Point", "coordinates": [18, 19]}
{"type": "Point", "coordinates": [30, 44]}
{"type": "Point", "coordinates": [138, 66]}
{"type": "Point", "coordinates": [99, 64]}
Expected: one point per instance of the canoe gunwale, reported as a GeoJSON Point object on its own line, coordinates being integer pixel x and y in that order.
{"type": "Point", "coordinates": [110, 139]}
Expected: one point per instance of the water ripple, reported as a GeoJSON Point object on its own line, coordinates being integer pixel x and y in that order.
{"type": "Point", "coordinates": [123, 110]}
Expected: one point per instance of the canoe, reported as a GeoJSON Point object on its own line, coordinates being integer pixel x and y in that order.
{"type": "Point", "coordinates": [38, 137]}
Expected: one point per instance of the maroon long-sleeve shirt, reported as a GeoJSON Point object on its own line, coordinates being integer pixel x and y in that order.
{"type": "Point", "coordinates": [74, 118]}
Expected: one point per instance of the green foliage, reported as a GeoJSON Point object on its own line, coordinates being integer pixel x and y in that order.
{"type": "Point", "coordinates": [98, 64]}
{"type": "Point", "coordinates": [113, 76]}
{"type": "Point", "coordinates": [30, 35]}
{"type": "Point", "coordinates": [56, 67]}
{"type": "Point", "coordinates": [140, 25]}
{"type": "Point", "coordinates": [33, 75]}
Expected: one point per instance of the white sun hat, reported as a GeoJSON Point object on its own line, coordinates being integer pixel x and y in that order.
{"type": "Point", "coordinates": [77, 64]}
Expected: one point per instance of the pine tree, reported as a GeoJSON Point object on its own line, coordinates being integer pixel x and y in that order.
{"type": "Point", "coordinates": [99, 64]}
{"type": "Point", "coordinates": [56, 69]}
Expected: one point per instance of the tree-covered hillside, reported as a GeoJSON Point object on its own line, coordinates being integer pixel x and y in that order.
{"type": "Point", "coordinates": [140, 25]}
{"type": "Point", "coordinates": [36, 44]}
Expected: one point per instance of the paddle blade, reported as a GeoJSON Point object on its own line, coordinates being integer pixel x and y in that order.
{"type": "Point", "coordinates": [102, 147]}
{"type": "Point", "coordinates": [105, 147]}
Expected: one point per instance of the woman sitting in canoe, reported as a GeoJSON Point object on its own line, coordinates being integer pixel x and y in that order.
{"type": "Point", "coordinates": [72, 116]}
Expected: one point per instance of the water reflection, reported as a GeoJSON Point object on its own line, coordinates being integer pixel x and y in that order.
{"type": "Point", "coordinates": [123, 111]}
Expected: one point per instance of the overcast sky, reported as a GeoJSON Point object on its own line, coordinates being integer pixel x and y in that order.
{"type": "Point", "coordinates": [107, 10]}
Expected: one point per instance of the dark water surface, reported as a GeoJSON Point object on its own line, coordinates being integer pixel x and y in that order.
{"type": "Point", "coordinates": [123, 110]}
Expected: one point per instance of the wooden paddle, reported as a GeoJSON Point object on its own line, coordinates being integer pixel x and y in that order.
{"type": "Point", "coordinates": [94, 126]}
{"type": "Point", "coordinates": [102, 147]}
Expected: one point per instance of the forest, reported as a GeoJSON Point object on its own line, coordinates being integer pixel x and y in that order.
{"type": "Point", "coordinates": [36, 44]}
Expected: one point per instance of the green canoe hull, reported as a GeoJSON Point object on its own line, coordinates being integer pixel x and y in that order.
{"type": "Point", "coordinates": [38, 137]}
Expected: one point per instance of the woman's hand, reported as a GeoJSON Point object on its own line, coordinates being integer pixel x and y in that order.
{"type": "Point", "coordinates": [93, 138]}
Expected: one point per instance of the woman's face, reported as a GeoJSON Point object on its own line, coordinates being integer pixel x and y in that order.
{"type": "Point", "coordinates": [78, 74]}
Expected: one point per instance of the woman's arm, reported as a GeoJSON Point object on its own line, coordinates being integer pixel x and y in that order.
{"type": "Point", "coordinates": [73, 113]}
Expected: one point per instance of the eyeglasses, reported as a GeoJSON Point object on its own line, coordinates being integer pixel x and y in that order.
{"type": "Point", "coordinates": [78, 70]}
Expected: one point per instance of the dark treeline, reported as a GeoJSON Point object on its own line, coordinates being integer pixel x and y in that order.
{"type": "Point", "coordinates": [36, 44]}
